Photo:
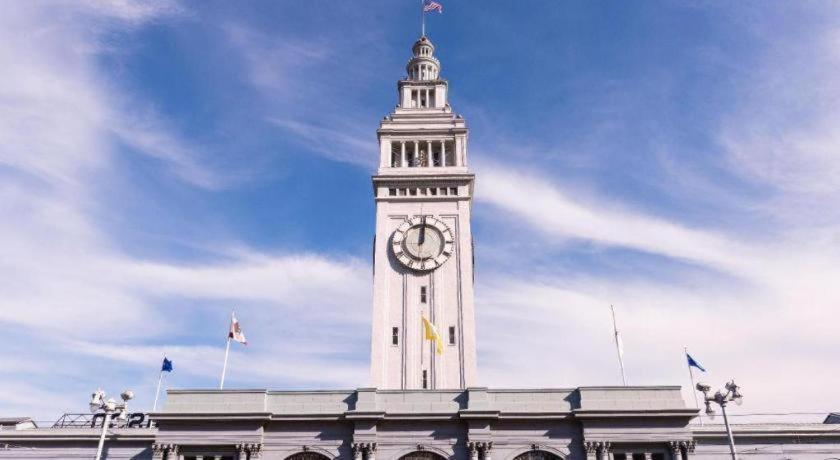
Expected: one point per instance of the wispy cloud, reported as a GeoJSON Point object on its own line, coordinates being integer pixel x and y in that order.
{"type": "Point", "coordinates": [783, 129]}
{"type": "Point", "coordinates": [347, 146]}
{"type": "Point", "coordinates": [553, 212]}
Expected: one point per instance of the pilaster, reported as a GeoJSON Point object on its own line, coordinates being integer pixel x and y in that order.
{"type": "Point", "coordinates": [255, 451]}
{"type": "Point", "coordinates": [158, 451]}
{"type": "Point", "coordinates": [472, 447]}
{"type": "Point", "coordinates": [604, 450]}
{"type": "Point", "coordinates": [688, 447]}
{"type": "Point", "coordinates": [591, 450]}
{"type": "Point", "coordinates": [487, 449]}
{"type": "Point", "coordinates": [676, 449]}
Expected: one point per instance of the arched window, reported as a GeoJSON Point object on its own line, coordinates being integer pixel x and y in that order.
{"type": "Point", "coordinates": [309, 455]}
{"type": "Point", "coordinates": [422, 455]}
{"type": "Point", "coordinates": [537, 455]}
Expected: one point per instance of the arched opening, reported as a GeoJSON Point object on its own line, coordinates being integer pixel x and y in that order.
{"type": "Point", "coordinates": [422, 455]}
{"type": "Point", "coordinates": [308, 455]}
{"type": "Point", "coordinates": [537, 455]}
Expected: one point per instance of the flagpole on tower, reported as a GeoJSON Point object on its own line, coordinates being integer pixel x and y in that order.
{"type": "Point", "coordinates": [422, 20]}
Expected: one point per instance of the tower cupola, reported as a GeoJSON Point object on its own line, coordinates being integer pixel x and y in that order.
{"type": "Point", "coordinates": [423, 66]}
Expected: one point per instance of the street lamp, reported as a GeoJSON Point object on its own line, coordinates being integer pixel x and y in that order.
{"type": "Point", "coordinates": [733, 394]}
{"type": "Point", "coordinates": [110, 407]}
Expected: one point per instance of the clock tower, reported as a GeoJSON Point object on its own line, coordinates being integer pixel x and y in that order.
{"type": "Point", "coordinates": [423, 251]}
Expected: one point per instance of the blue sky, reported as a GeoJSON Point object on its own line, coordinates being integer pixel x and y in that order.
{"type": "Point", "coordinates": [164, 162]}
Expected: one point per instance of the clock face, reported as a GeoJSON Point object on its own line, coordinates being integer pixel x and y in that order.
{"type": "Point", "coordinates": [422, 243]}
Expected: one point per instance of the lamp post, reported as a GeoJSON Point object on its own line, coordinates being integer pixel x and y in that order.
{"type": "Point", "coordinates": [733, 394]}
{"type": "Point", "coordinates": [110, 407]}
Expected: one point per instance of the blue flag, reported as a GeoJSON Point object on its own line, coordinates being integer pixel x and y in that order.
{"type": "Point", "coordinates": [693, 363]}
{"type": "Point", "coordinates": [166, 366]}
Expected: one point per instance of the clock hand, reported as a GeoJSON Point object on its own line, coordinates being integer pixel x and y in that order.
{"type": "Point", "coordinates": [422, 238]}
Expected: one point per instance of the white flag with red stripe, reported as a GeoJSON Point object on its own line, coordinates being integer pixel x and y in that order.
{"type": "Point", "coordinates": [236, 333]}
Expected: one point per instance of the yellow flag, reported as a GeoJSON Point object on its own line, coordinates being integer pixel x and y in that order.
{"type": "Point", "coordinates": [432, 334]}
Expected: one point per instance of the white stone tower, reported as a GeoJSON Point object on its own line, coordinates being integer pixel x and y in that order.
{"type": "Point", "coordinates": [423, 253]}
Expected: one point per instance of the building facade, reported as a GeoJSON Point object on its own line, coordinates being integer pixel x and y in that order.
{"type": "Point", "coordinates": [424, 404]}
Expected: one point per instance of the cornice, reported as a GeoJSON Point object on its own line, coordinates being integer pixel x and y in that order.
{"type": "Point", "coordinates": [241, 417]}
{"type": "Point", "coordinates": [402, 178]}
{"type": "Point", "coordinates": [92, 434]}
{"type": "Point", "coordinates": [641, 413]}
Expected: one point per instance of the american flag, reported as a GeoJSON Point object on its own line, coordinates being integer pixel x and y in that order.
{"type": "Point", "coordinates": [432, 5]}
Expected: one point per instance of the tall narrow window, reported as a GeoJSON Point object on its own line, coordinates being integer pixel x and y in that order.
{"type": "Point", "coordinates": [423, 295]}
{"type": "Point", "coordinates": [395, 336]}
{"type": "Point", "coordinates": [425, 379]}
{"type": "Point", "coordinates": [452, 335]}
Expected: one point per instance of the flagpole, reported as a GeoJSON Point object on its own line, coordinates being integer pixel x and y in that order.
{"type": "Point", "coordinates": [422, 20]}
{"type": "Point", "coordinates": [693, 389]}
{"type": "Point", "coordinates": [157, 393]}
{"type": "Point", "coordinates": [618, 347]}
{"type": "Point", "coordinates": [224, 368]}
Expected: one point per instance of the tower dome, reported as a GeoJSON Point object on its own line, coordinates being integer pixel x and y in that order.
{"type": "Point", "coordinates": [423, 65]}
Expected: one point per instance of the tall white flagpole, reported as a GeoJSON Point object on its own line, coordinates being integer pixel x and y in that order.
{"type": "Point", "coordinates": [227, 353]}
{"type": "Point", "coordinates": [224, 368]}
{"type": "Point", "coordinates": [693, 389]}
{"type": "Point", "coordinates": [157, 393]}
{"type": "Point", "coordinates": [618, 347]}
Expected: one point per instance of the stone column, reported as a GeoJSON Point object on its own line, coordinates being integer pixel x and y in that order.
{"type": "Point", "coordinates": [241, 452]}
{"type": "Point", "coordinates": [429, 160]}
{"type": "Point", "coordinates": [158, 451]}
{"type": "Point", "coordinates": [357, 451]}
{"type": "Point", "coordinates": [443, 152]}
{"type": "Point", "coordinates": [648, 456]}
{"type": "Point", "coordinates": [591, 449]}
{"type": "Point", "coordinates": [416, 153]}
{"type": "Point", "coordinates": [403, 162]}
